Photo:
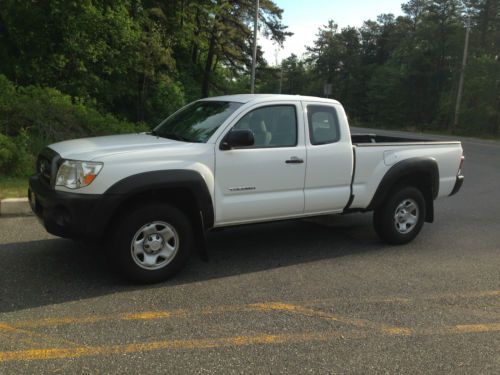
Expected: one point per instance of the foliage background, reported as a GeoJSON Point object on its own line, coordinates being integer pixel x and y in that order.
{"type": "Point", "coordinates": [92, 67]}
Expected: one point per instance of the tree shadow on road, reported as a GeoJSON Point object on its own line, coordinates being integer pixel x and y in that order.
{"type": "Point", "coordinates": [46, 272]}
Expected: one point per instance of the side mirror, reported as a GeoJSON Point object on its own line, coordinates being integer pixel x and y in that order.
{"type": "Point", "coordinates": [237, 138]}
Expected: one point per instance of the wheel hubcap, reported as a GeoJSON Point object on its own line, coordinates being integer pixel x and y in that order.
{"type": "Point", "coordinates": [154, 245]}
{"type": "Point", "coordinates": [406, 216]}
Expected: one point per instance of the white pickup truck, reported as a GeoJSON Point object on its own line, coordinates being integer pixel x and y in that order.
{"type": "Point", "coordinates": [234, 160]}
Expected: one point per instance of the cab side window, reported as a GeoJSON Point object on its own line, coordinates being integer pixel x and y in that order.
{"type": "Point", "coordinates": [323, 124]}
{"type": "Point", "coordinates": [272, 126]}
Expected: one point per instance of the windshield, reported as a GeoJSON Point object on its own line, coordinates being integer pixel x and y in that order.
{"type": "Point", "coordinates": [196, 122]}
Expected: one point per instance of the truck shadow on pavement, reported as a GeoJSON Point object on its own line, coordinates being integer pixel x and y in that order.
{"type": "Point", "coordinates": [46, 272]}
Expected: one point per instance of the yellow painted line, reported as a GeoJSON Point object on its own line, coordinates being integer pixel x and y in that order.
{"type": "Point", "coordinates": [267, 306]}
{"type": "Point", "coordinates": [60, 321]}
{"type": "Point", "coordinates": [406, 300]}
{"type": "Point", "coordinates": [462, 295]}
{"type": "Point", "coordinates": [261, 339]}
{"type": "Point", "coordinates": [476, 328]}
{"type": "Point", "coordinates": [146, 315]}
{"type": "Point", "coordinates": [10, 337]}
{"type": "Point", "coordinates": [397, 331]}
{"type": "Point", "coordinates": [152, 315]}
{"type": "Point", "coordinates": [472, 311]}
{"type": "Point", "coordinates": [63, 353]}
{"type": "Point", "coordinates": [389, 300]}
{"type": "Point", "coordinates": [49, 322]}
{"type": "Point", "coordinates": [33, 338]}
{"type": "Point", "coordinates": [458, 329]}
{"type": "Point", "coordinates": [356, 322]}
{"type": "Point", "coordinates": [487, 293]}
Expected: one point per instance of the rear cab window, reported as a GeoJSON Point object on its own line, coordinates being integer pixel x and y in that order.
{"type": "Point", "coordinates": [323, 124]}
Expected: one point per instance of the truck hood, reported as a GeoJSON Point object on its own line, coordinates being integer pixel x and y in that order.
{"type": "Point", "coordinates": [96, 148]}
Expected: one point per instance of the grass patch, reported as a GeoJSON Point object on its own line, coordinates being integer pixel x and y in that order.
{"type": "Point", "coordinates": [13, 187]}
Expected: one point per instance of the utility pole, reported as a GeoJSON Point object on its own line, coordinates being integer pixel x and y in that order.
{"type": "Point", "coordinates": [462, 73]}
{"type": "Point", "coordinates": [254, 57]}
{"type": "Point", "coordinates": [280, 67]}
{"type": "Point", "coordinates": [281, 77]}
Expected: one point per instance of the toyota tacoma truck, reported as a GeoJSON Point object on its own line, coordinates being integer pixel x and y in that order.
{"type": "Point", "coordinates": [235, 160]}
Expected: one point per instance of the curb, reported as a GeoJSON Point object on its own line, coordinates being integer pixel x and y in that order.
{"type": "Point", "coordinates": [15, 207]}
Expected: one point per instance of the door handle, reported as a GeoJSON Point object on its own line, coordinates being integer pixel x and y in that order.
{"type": "Point", "coordinates": [294, 160]}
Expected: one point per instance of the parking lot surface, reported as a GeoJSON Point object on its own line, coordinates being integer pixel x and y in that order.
{"type": "Point", "coordinates": [307, 296]}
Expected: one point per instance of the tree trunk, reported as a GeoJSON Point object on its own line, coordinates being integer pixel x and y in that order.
{"type": "Point", "coordinates": [215, 63]}
{"type": "Point", "coordinates": [208, 64]}
{"type": "Point", "coordinates": [194, 53]}
{"type": "Point", "coordinates": [195, 48]}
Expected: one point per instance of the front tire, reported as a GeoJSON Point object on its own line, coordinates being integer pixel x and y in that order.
{"type": "Point", "coordinates": [152, 242]}
{"type": "Point", "coordinates": [401, 217]}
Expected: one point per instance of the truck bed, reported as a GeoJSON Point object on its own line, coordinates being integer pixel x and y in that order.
{"type": "Point", "coordinates": [376, 154]}
{"type": "Point", "coordinates": [360, 138]}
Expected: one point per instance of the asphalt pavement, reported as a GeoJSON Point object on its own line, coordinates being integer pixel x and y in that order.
{"type": "Point", "coordinates": [306, 296]}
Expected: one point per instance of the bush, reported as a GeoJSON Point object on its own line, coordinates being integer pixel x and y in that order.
{"type": "Point", "coordinates": [53, 116]}
{"type": "Point", "coordinates": [15, 158]}
{"type": "Point", "coordinates": [7, 153]}
{"type": "Point", "coordinates": [32, 117]}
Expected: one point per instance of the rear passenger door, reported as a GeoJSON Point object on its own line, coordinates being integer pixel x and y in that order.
{"type": "Point", "coordinates": [329, 158]}
{"type": "Point", "coordinates": [266, 180]}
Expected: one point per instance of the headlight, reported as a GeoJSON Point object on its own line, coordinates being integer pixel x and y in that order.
{"type": "Point", "coordinates": [75, 174]}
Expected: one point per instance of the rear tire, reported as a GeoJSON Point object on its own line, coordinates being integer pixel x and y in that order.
{"type": "Point", "coordinates": [400, 218]}
{"type": "Point", "coordinates": [152, 242]}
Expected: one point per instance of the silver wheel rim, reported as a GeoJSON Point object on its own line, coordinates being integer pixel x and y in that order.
{"type": "Point", "coordinates": [154, 245]}
{"type": "Point", "coordinates": [406, 216]}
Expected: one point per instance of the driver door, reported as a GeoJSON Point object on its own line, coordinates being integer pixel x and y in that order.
{"type": "Point", "coordinates": [264, 181]}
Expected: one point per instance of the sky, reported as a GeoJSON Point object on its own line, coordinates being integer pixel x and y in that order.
{"type": "Point", "coordinates": [304, 18]}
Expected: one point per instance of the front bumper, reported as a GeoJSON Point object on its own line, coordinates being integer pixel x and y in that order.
{"type": "Point", "coordinates": [64, 214]}
{"type": "Point", "coordinates": [458, 185]}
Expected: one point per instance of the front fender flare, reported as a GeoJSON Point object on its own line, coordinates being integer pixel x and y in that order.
{"type": "Point", "coordinates": [174, 178]}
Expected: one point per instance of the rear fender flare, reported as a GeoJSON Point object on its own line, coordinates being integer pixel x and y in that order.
{"type": "Point", "coordinates": [425, 170]}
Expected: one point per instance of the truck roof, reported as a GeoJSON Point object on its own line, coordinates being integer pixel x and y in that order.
{"type": "Point", "coordinates": [246, 98]}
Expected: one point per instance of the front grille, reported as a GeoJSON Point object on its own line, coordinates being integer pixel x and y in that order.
{"type": "Point", "coordinates": [46, 165]}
